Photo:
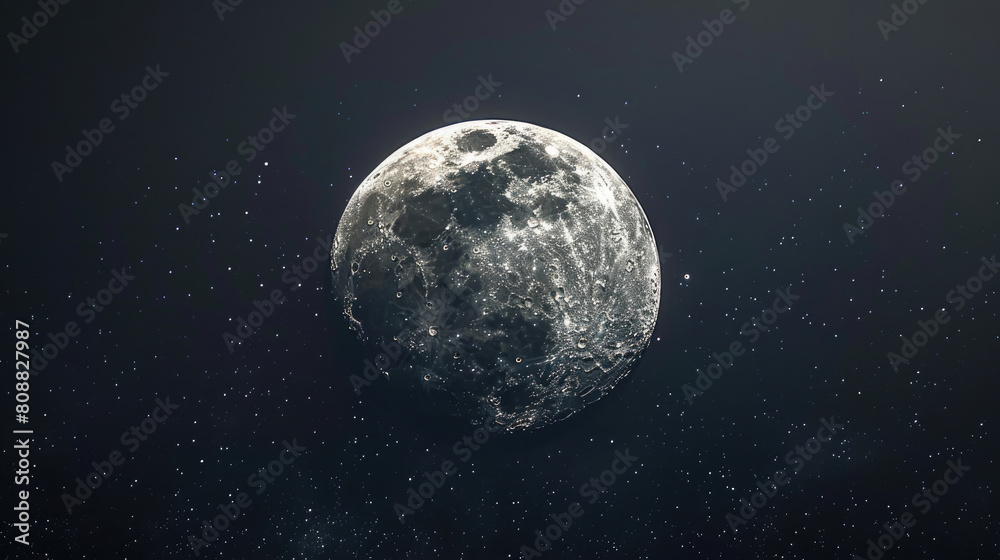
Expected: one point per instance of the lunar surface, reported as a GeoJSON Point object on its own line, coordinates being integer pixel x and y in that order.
{"type": "Point", "coordinates": [513, 267]}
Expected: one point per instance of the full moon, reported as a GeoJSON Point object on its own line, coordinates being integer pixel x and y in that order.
{"type": "Point", "coordinates": [511, 268]}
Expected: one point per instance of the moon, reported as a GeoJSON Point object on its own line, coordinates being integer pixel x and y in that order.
{"type": "Point", "coordinates": [508, 265]}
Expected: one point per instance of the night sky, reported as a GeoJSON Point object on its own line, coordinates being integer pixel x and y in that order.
{"type": "Point", "coordinates": [116, 112]}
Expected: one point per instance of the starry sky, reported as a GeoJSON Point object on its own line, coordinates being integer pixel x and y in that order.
{"type": "Point", "coordinates": [117, 112]}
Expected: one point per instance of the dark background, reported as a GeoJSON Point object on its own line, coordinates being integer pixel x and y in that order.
{"type": "Point", "coordinates": [162, 336]}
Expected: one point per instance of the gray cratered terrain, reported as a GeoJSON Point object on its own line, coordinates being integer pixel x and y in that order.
{"type": "Point", "coordinates": [513, 266]}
